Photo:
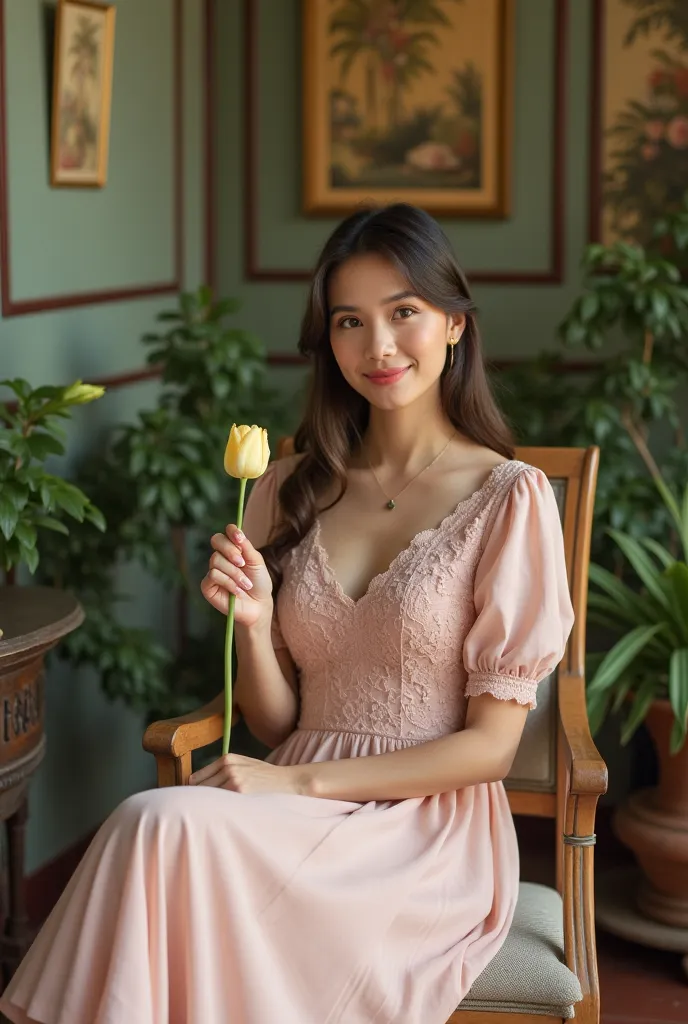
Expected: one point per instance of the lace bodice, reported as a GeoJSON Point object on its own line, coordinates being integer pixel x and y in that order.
{"type": "Point", "coordinates": [476, 604]}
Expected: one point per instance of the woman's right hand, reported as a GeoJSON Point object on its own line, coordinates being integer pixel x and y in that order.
{"type": "Point", "coordinates": [236, 567]}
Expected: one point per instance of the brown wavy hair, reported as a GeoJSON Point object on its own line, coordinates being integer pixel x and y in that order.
{"type": "Point", "coordinates": [336, 416]}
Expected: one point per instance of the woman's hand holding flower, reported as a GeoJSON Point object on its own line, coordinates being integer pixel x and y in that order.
{"type": "Point", "coordinates": [235, 567]}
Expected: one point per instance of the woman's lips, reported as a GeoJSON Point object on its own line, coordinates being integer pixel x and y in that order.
{"type": "Point", "coordinates": [387, 378]}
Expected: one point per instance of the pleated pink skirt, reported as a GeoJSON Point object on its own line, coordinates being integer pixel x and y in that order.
{"type": "Point", "coordinates": [195, 905]}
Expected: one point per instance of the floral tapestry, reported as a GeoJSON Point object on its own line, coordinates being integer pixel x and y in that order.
{"type": "Point", "coordinates": [642, 112]}
{"type": "Point", "coordinates": [407, 100]}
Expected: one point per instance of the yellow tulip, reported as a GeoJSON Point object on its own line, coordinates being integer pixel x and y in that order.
{"type": "Point", "coordinates": [246, 457]}
{"type": "Point", "coordinates": [247, 453]}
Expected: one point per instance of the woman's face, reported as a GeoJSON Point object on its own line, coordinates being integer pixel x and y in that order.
{"type": "Point", "coordinates": [390, 344]}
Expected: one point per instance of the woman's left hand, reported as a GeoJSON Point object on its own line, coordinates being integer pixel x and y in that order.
{"type": "Point", "coordinates": [250, 775]}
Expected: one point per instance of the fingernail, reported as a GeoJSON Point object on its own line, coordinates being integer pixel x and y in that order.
{"type": "Point", "coordinates": [246, 583]}
{"type": "Point", "coordinates": [238, 535]}
{"type": "Point", "coordinates": [239, 560]}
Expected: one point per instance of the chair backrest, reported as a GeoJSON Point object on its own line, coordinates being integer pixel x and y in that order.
{"type": "Point", "coordinates": [536, 781]}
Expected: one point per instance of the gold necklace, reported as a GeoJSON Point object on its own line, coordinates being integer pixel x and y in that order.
{"type": "Point", "coordinates": [391, 502]}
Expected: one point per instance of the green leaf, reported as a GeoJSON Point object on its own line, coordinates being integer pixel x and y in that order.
{"type": "Point", "coordinates": [149, 495]}
{"type": "Point", "coordinates": [660, 552]}
{"type": "Point", "coordinates": [646, 694]}
{"type": "Point", "coordinates": [31, 558]}
{"type": "Point", "coordinates": [51, 524]}
{"type": "Point", "coordinates": [621, 656]}
{"type": "Point", "coordinates": [644, 567]}
{"type": "Point", "coordinates": [42, 445]}
{"type": "Point", "coordinates": [638, 608]}
{"type": "Point", "coordinates": [137, 461]}
{"type": "Point", "coordinates": [21, 387]}
{"type": "Point", "coordinates": [678, 696]}
{"type": "Point", "coordinates": [208, 483]}
{"type": "Point", "coordinates": [70, 498]}
{"type": "Point", "coordinates": [9, 516]}
{"type": "Point", "coordinates": [621, 692]}
{"type": "Point", "coordinates": [95, 516]}
{"type": "Point", "coordinates": [660, 305]}
{"type": "Point", "coordinates": [26, 534]}
{"type": "Point", "coordinates": [170, 499]}
{"type": "Point", "coordinates": [17, 494]}
{"type": "Point", "coordinates": [589, 306]}
{"type": "Point", "coordinates": [597, 706]}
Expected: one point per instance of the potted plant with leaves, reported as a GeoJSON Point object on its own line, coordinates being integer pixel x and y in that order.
{"type": "Point", "coordinates": [631, 321]}
{"type": "Point", "coordinates": [31, 499]}
{"type": "Point", "coordinates": [161, 479]}
{"type": "Point", "coordinates": [646, 671]}
{"type": "Point", "coordinates": [34, 503]}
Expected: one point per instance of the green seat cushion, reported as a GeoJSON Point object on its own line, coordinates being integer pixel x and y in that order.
{"type": "Point", "coordinates": [528, 974]}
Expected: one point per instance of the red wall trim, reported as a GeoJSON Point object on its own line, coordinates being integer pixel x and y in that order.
{"type": "Point", "coordinates": [19, 307]}
{"type": "Point", "coordinates": [208, 59]}
{"type": "Point", "coordinates": [553, 274]}
{"type": "Point", "coordinates": [597, 71]}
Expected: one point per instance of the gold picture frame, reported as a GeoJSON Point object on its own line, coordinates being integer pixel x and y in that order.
{"type": "Point", "coordinates": [82, 93]}
{"type": "Point", "coordinates": [416, 111]}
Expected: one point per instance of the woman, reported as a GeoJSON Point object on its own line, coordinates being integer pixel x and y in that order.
{"type": "Point", "coordinates": [401, 591]}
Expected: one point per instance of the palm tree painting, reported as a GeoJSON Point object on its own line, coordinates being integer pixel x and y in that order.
{"type": "Point", "coordinates": [643, 113]}
{"type": "Point", "coordinates": [406, 98]}
{"type": "Point", "coordinates": [84, 43]}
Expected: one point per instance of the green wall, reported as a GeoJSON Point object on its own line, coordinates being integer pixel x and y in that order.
{"type": "Point", "coordinates": [65, 241]}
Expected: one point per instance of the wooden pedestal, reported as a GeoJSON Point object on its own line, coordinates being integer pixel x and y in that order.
{"type": "Point", "coordinates": [33, 619]}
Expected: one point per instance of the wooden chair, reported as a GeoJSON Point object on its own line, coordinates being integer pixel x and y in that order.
{"type": "Point", "coordinates": [547, 969]}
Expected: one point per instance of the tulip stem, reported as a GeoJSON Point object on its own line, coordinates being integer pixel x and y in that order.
{"type": "Point", "coordinates": [229, 634]}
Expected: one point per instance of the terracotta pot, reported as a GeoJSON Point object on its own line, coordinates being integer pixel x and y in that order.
{"type": "Point", "coordinates": [653, 822]}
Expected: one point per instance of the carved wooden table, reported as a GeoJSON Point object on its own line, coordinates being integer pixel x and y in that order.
{"type": "Point", "coordinates": [32, 619]}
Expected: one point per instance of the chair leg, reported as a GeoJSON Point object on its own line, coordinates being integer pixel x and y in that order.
{"type": "Point", "coordinates": [16, 936]}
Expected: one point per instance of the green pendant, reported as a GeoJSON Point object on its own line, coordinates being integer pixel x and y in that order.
{"type": "Point", "coordinates": [391, 503]}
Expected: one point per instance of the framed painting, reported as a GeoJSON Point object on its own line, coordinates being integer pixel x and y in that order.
{"type": "Point", "coordinates": [82, 89]}
{"type": "Point", "coordinates": [639, 166]}
{"type": "Point", "coordinates": [408, 100]}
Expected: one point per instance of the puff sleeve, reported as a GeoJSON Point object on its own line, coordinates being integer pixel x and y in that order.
{"type": "Point", "coordinates": [260, 515]}
{"type": "Point", "coordinates": [521, 596]}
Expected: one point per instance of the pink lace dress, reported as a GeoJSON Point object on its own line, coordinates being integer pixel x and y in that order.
{"type": "Point", "coordinates": [202, 906]}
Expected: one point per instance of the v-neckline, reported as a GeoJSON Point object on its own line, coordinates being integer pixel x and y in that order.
{"type": "Point", "coordinates": [375, 581]}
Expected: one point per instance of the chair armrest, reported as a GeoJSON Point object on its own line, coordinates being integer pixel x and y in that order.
{"type": "Point", "coordinates": [588, 772]}
{"type": "Point", "coordinates": [174, 737]}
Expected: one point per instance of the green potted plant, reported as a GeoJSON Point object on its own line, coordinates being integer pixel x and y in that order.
{"type": "Point", "coordinates": [31, 499]}
{"type": "Point", "coordinates": [633, 307]}
{"type": "Point", "coordinates": [34, 504]}
{"type": "Point", "coordinates": [161, 479]}
{"type": "Point", "coordinates": [647, 671]}
{"type": "Point", "coordinates": [631, 320]}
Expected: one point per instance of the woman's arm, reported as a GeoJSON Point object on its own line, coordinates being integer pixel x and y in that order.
{"type": "Point", "coordinates": [482, 752]}
{"type": "Point", "coordinates": [266, 688]}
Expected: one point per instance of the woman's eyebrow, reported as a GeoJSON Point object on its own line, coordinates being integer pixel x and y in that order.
{"type": "Point", "coordinates": [385, 302]}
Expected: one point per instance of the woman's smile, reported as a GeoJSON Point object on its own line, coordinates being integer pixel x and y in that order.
{"type": "Point", "coordinates": [386, 377]}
